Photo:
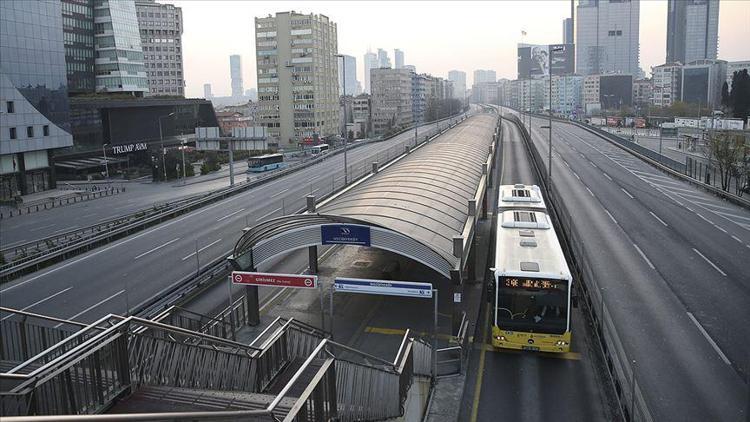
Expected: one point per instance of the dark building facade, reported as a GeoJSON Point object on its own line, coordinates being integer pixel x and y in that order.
{"type": "Point", "coordinates": [78, 34]}
{"type": "Point", "coordinates": [615, 91]}
{"type": "Point", "coordinates": [34, 108]}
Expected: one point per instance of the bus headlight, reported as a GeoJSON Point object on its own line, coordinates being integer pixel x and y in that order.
{"type": "Point", "coordinates": [561, 343]}
{"type": "Point", "coordinates": [500, 338]}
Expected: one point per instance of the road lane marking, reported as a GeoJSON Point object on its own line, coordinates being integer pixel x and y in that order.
{"type": "Point", "coordinates": [591, 193]}
{"type": "Point", "coordinates": [10, 245]}
{"type": "Point", "coordinates": [607, 176]}
{"type": "Point", "coordinates": [737, 239]}
{"type": "Point", "coordinates": [92, 307]}
{"type": "Point", "coordinates": [566, 164]}
{"type": "Point", "coordinates": [720, 228]}
{"type": "Point", "coordinates": [41, 228]}
{"type": "Point", "coordinates": [592, 163]}
{"type": "Point", "coordinates": [610, 216]}
{"type": "Point", "coordinates": [231, 214]}
{"type": "Point", "coordinates": [88, 215]}
{"type": "Point", "coordinates": [710, 340]}
{"type": "Point", "coordinates": [660, 220]}
{"type": "Point", "coordinates": [703, 218]}
{"type": "Point", "coordinates": [279, 193]}
{"type": "Point", "coordinates": [203, 248]}
{"type": "Point", "coordinates": [709, 261]}
{"type": "Point", "coordinates": [480, 373]}
{"type": "Point", "coordinates": [645, 258]}
{"type": "Point", "coordinates": [270, 213]}
{"type": "Point", "coordinates": [40, 301]}
{"type": "Point", "coordinates": [67, 228]}
{"type": "Point", "coordinates": [576, 175]}
{"type": "Point", "coordinates": [627, 193]}
{"type": "Point", "coordinates": [157, 248]}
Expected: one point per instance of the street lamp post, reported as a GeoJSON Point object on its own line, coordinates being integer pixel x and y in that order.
{"type": "Point", "coordinates": [549, 169]}
{"type": "Point", "coordinates": [346, 146]}
{"type": "Point", "coordinates": [182, 149]}
{"type": "Point", "coordinates": [106, 163]}
{"type": "Point", "coordinates": [163, 152]}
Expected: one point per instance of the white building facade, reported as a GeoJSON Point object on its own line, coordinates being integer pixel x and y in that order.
{"type": "Point", "coordinates": [607, 36]}
{"type": "Point", "coordinates": [459, 84]}
{"type": "Point", "coordinates": [161, 39]}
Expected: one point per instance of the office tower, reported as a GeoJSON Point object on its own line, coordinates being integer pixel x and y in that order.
{"type": "Point", "coordinates": [348, 80]}
{"type": "Point", "coordinates": [459, 83]}
{"type": "Point", "coordinates": [235, 71]}
{"type": "Point", "coordinates": [117, 43]}
{"type": "Point", "coordinates": [383, 59]}
{"type": "Point", "coordinates": [568, 31]}
{"type": "Point", "coordinates": [702, 81]}
{"type": "Point", "coordinates": [392, 99]}
{"type": "Point", "coordinates": [78, 30]}
{"type": "Point", "coordinates": [161, 39]}
{"type": "Point", "coordinates": [692, 30]}
{"type": "Point", "coordinates": [484, 76]}
{"type": "Point", "coordinates": [399, 58]}
{"type": "Point", "coordinates": [297, 76]}
{"type": "Point", "coordinates": [33, 95]}
{"type": "Point", "coordinates": [607, 36]}
{"type": "Point", "coordinates": [371, 60]}
{"type": "Point", "coordinates": [207, 91]}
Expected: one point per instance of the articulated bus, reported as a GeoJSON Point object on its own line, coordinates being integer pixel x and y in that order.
{"type": "Point", "coordinates": [265, 162]}
{"type": "Point", "coordinates": [531, 286]}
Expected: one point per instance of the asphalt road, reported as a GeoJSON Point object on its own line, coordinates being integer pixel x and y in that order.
{"type": "Point", "coordinates": [527, 386]}
{"type": "Point", "coordinates": [671, 263]}
{"type": "Point", "coordinates": [120, 275]}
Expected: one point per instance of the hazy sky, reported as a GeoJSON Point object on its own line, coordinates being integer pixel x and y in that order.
{"type": "Point", "coordinates": [435, 36]}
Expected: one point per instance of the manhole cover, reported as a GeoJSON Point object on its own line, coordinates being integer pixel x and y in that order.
{"type": "Point", "coordinates": [361, 264]}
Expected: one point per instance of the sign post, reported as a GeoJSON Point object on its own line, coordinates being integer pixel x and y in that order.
{"type": "Point", "coordinates": [292, 281]}
{"type": "Point", "coordinates": [390, 288]}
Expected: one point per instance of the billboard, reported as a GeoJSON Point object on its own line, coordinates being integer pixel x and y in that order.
{"type": "Point", "coordinates": [537, 60]}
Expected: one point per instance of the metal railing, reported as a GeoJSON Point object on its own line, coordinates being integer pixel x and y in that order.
{"type": "Point", "coordinates": [41, 205]}
{"type": "Point", "coordinates": [451, 359]}
{"type": "Point", "coordinates": [620, 368]}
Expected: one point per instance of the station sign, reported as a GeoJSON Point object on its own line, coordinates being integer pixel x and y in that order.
{"type": "Point", "coordinates": [295, 281]}
{"type": "Point", "coordinates": [345, 234]}
{"type": "Point", "coordinates": [383, 287]}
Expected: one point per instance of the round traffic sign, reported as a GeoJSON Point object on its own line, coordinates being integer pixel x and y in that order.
{"type": "Point", "coordinates": [308, 282]}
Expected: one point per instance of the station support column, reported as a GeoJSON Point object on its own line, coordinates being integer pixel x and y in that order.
{"type": "Point", "coordinates": [312, 251]}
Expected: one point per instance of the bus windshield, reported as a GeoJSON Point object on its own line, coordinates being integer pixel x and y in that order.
{"type": "Point", "coordinates": [532, 305]}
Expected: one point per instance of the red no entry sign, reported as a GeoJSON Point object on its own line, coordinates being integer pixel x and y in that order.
{"type": "Point", "coordinates": [297, 281]}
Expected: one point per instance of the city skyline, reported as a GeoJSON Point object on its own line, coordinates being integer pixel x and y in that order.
{"type": "Point", "coordinates": [478, 48]}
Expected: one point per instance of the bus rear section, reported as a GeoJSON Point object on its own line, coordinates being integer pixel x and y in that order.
{"type": "Point", "coordinates": [318, 150]}
{"type": "Point", "coordinates": [266, 162]}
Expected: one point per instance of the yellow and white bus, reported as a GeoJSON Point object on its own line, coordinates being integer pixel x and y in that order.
{"type": "Point", "coordinates": [531, 286]}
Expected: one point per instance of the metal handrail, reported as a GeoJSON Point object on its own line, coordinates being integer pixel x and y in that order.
{"type": "Point", "coordinates": [297, 374]}
{"type": "Point", "coordinates": [44, 317]}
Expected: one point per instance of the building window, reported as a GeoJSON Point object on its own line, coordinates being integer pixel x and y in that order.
{"type": "Point", "coordinates": [45, 130]}
{"type": "Point", "coordinates": [11, 106]}
{"type": "Point", "coordinates": [29, 131]}
{"type": "Point", "coordinates": [12, 133]}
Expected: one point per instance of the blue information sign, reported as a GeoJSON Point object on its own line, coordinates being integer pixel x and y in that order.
{"type": "Point", "coordinates": [383, 287]}
{"type": "Point", "coordinates": [345, 234]}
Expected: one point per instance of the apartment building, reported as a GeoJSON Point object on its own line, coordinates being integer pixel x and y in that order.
{"type": "Point", "coordinates": [392, 98]}
{"type": "Point", "coordinates": [667, 84]}
{"type": "Point", "coordinates": [161, 40]}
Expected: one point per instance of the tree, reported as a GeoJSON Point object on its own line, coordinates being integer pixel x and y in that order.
{"type": "Point", "coordinates": [727, 151]}
{"type": "Point", "coordinates": [739, 97]}
{"type": "Point", "coordinates": [725, 95]}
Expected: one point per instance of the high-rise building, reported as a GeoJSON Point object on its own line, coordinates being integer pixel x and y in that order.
{"type": "Point", "coordinates": [33, 95]}
{"type": "Point", "coordinates": [392, 99]}
{"type": "Point", "coordinates": [371, 62]}
{"type": "Point", "coordinates": [383, 59]}
{"type": "Point", "coordinates": [399, 58]}
{"type": "Point", "coordinates": [207, 94]}
{"type": "Point", "coordinates": [567, 95]}
{"type": "Point", "coordinates": [161, 39]}
{"type": "Point", "coordinates": [459, 84]}
{"type": "Point", "coordinates": [347, 80]}
{"type": "Point", "coordinates": [667, 81]}
{"type": "Point", "coordinates": [607, 36]}
{"type": "Point", "coordinates": [481, 76]}
{"type": "Point", "coordinates": [297, 76]}
{"type": "Point", "coordinates": [117, 43]}
{"type": "Point", "coordinates": [643, 92]}
{"type": "Point", "coordinates": [567, 31]}
{"type": "Point", "coordinates": [692, 30]}
{"type": "Point", "coordinates": [235, 71]}
{"type": "Point", "coordinates": [702, 81]}
{"type": "Point", "coordinates": [78, 35]}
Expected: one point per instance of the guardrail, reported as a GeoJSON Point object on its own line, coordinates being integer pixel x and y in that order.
{"type": "Point", "coordinates": [36, 206]}
{"type": "Point", "coordinates": [620, 368]}
{"type": "Point", "coordinates": [36, 254]}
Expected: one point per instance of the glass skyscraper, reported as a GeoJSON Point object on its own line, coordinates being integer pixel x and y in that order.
{"type": "Point", "coordinates": [78, 35]}
{"type": "Point", "coordinates": [33, 95]}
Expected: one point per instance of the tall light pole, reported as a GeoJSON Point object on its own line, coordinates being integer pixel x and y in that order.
{"type": "Point", "coordinates": [106, 163]}
{"type": "Point", "coordinates": [346, 147]}
{"type": "Point", "coordinates": [163, 152]}
{"type": "Point", "coordinates": [549, 170]}
{"type": "Point", "coordinates": [182, 149]}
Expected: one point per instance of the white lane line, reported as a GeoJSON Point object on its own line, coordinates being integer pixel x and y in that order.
{"type": "Point", "coordinates": [592, 163]}
{"type": "Point", "coordinates": [88, 215]}
{"type": "Point", "coordinates": [590, 193]}
{"type": "Point", "coordinates": [703, 218]}
{"type": "Point", "coordinates": [660, 220]}
{"type": "Point", "coordinates": [645, 258]}
{"type": "Point", "coordinates": [41, 228]}
{"type": "Point", "coordinates": [566, 164]}
{"type": "Point", "coordinates": [710, 263]}
{"type": "Point", "coordinates": [279, 193]}
{"type": "Point", "coordinates": [92, 307]}
{"type": "Point", "coordinates": [203, 248]}
{"type": "Point", "coordinates": [607, 176]}
{"type": "Point", "coordinates": [269, 213]}
{"type": "Point", "coordinates": [9, 245]}
{"type": "Point", "coordinates": [737, 239]}
{"type": "Point", "coordinates": [576, 175]}
{"type": "Point", "coordinates": [157, 248]}
{"type": "Point", "coordinates": [67, 228]}
{"type": "Point", "coordinates": [231, 214]}
{"type": "Point", "coordinates": [610, 216]}
{"type": "Point", "coordinates": [627, 193]}
{"type": "Point", "coordinates": [710, 340]}
{"type": "Point", "coordinates": [40, 301]}
{"type": "Point", "coordinates": [315, 190]}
